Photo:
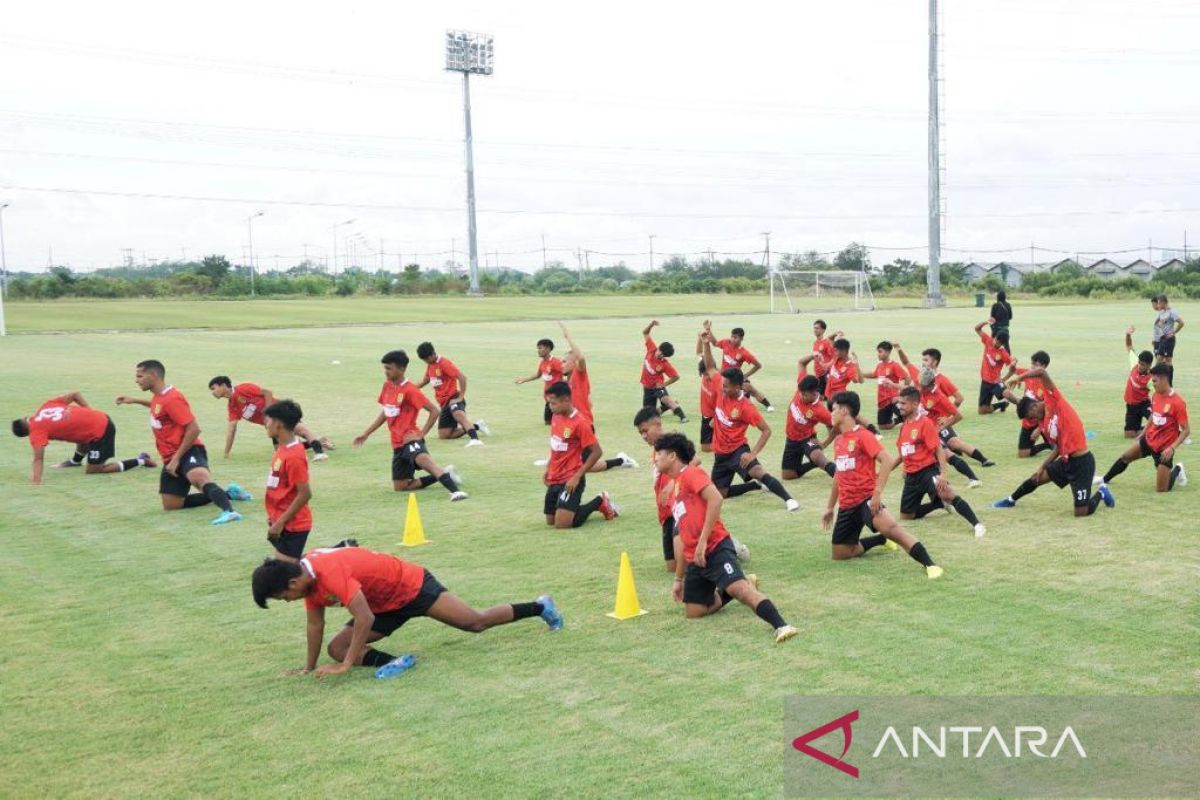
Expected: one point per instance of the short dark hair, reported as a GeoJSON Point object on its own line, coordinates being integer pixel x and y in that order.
{"type": "Point", "coordinates": [1041, 357]}
{"type": "Point", "coordinates": [703, 368]}
{"type": "Point", "coordinates": [1164, 369]}
{"type": "Point", "coordinates": [645, 415]}
{"type": "Point", "coordinates": [424, 350]}
{"type": "Point", "coordinates": [734, 376]}
{"type": "Point", "coordinates": [559, 389]}
{"type": "Point", "coordinates": [933, 353]}
{"type": "Point", "coordinates": [270, 578]}
{"type": "Point", "coordinates": [1024, 406]}
{"type": "Point", "coordinates": [1146, 357]}
{"type": "Point", "coordinates": [285, 411]}
{"type": "Point", "coordinates": [397, 358]}
{"type": "Point", "coordinates": [849, 400]}
{"type": "Point", "coordinates": [1001, 338]}
{"type": "Point", "coordinates": [1162, 298]}
{"type": "Point", "coordinates": [911, 393]}
{"type": "Point", "coordinates": [153, 365]}
{"type": "Point", "coordinates": [20, 427]}
{"type": "Point", "coordinates": [738, 332]}
{"type": "Point", "coordinates": [220, 380]}
{"type": "Point", "coordinates": [884, 345]}
{"type": "Point", "coordinates": [545, 343]}
{"type": "Point", "coordinates": [820, 322]}
{"type": "Point", "coordinates": [842, 344]}
{"type": "Point", "coordinates": [667, 349]}
{"type": "Point", "coordinates": [678, 444]}
{"type": "Point", "coordinates": [809, 383]}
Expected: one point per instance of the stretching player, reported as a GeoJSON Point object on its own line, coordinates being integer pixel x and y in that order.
{"type": "Point", "coordinates": [177, 437]}
{"type": "Point", "coordinates": [889, 377]}
{"type": "Point", "coordinates": [822, 352]}
{"type": "Point", "coordinates": [573, 450]}
{"type": "Point", "coordinates": [842, 369]}
{"type": "Point", "coordinates": [381, 592]}
{"type": "Point", "coordinates": [995, 358]}
{"type": "Point", "coordinates": [734, 354]}
{"type": "Point", "coordinates": [246, 401]}
{"type": "Point", "coordinates": [450, 391]}
{"type": "Point", "coordinates": [289, 519]}
{"type": "Point", "coordinates": [658, 374]}
{"type": "Point", "coordinates": [1168, 429]}
{"type": "Point", "coordinates": [401, 401]}
{"type": "Point", "coordinates": [710, 387]}
{"type": "Point", "coordinates": [857, 492]}
{"type": "Point", "coordinates": [803, 414]}
{"type": "Point", "coordinates": [580, 381]}
{"type": "Point", "coordinates": [69, 418]}
{"type": "Point", "coordinates": [1027, 444]}
{"type": "Point", "coordinates": [931, 357]}
{"type": "Point", "coordinates": [549, 371]}
{"type": "Point", "coordinates": [1137, 391]}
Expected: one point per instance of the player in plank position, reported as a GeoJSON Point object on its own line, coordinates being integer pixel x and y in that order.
{"type": "Point", "coordinates": [924, 461]}
{"type": "Point", "coordinates": [579, 380]}
{"type": "Point", "coordinates": [995, 358]}
{"type": "Point", "coordinates": [381, 592]}
{"type": "Point", "coordinates": [549, 371]}
{"type": "Point", "coordinates": [69, 418]}
{"type": "Point", "coordinates": [1027, 444]}
{"type": "Point", "coordinates": [889, 377]}
{"type": "Point", "coordinates": [401, 401]}
{"type": "Point", "coordinates": [707, 574]}
{"type": "Point", "coordinates": [1167, 430]}
{"type": "Point", "coordinates": [177, 437]}
{"type": "Point", "coordinates": [857, 492]}
{"type": "Point", "coordinates": [1137, 387]}
{"type": "Point", "coordinates": [450, 391]}
{"type": "Point", "coordinates": [658, 374]}
{"type": "Point", "coordinates": [573, 450]}
{"type": "Point", "coordinates": [1070, 463]}
{"type": "Point", "coordinates": [734, 354]}
{"type": "Point", "coordinates": [247, 401]}
{"type": "Point", "coordinates": [803, 414]}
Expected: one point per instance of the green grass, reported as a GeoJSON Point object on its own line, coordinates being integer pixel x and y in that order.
{"type": "Point", "coordinates": [134, 656]}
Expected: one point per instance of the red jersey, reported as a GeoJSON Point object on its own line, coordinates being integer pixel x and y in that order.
{"type": "Point", "coordinates": [935, 392]}
{"type": "Point", "coordinates": [581, 390]}
{"type": "Point", "coordinates": [569, 436]}
{"type": "Point", "coordinates": [801, 373]}
{"type": "Point", "coordinates": [854, 455]}
{"type": "Point", "coordinates": [802, 418]}
{"type": "Point", "coordinates": [690, 509]}
{"type": "Point", "coordinates": [888, 375]}
{"type": "Point", "coordinates": [731, 416]}
{"type": "Point", "coordinates": [994, 358]}
{"type": "Point", "coordinates": [945, 385]}
{"type": "Point", "coordinates": [710, 389]}
{"type": "Point", "coordinates": [247, 402]}
{"type": "Point", "coordinates": [401, 402]}
{"type": "Point", "coordinates": [664, 492]}
{"type": "Point", "coordinates": [1137, 387]}
{"type": "Point", "coordinates": [551, 370]}
{"type": "Point", "coordinates": [1168, 415]}
{"type": "Point", "coordinates": [918, 444]}
{"type": "Point", "coordinates": [59, 420]}
{"type": "Point", "coordinates": [734, 355]}
{"type": "Point", "coordinates": [443, 377]}
{"type": "Point", "coordinates": [1061, 426]}
{"type": "Point", "coordinates": [841, 372]}
{"type": "Point", "coordinates": [170, 414]}
{"type": "Point", "coordinates": [937, 405]}
{"type": "Point", "coordinates": [822, 351]}
{"type": "Point", "coordinates": [339, 573]}
{"type": "Point", "coordinates": [1034, 390]}
{"type": "Point", "coordinates": [654, 368]}
{"type": "Point", "coordinates": [289, 466]}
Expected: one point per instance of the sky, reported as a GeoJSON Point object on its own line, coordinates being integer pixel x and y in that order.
{"type": "Point", "coordinates": [129, 128]}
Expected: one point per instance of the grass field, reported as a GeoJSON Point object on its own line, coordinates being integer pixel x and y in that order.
{"type": "Point", "coordinates": [134, 656]}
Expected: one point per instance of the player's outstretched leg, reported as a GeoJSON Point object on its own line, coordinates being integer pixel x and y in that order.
{"type": "Point", "coordinates": [888, 527]}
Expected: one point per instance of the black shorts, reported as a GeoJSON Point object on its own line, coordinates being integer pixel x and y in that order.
{"type": "Point", "coordinates": [1147, 450]}
{"type": "Point", "coordinates": [1025, 438]}
{"type": "Point", "coordinates": [650, 397]}
{"type": "Point", "coordinates": [727, 465]}
{"type": "Point", "coordinates": [989, 392]}
{"type": "Point", "coordinates": [404, 459]}
{"type": "Point", "coordinates": [446, 420]}
{"type": "Point", "coordinates": [196, 457]}
{"type": "Point", "coordinates": [559, 499]}
{"type": "Point", "coordinates": [102, 449]}
{"type": "Point", "coordinates": [386, 622]}
{"type": "Point", "coordinates": [546, 414]}
{"type": "Point", "coordinates": [794, 452]}
{"type": "Point", "coordinates": [1165, 347]}
{"type": "Point", "coordinates": [1076, 471]}
{"type": "Point", "coordinates": [720, 569]}
{"type": "Point", "coordinates": [850, 522]}
{"type": "Point", "coordinates": [888, 415]}
{"type": "Point", "coordinates": [1136, 414]}
{"type": "Point", "coordinates": [668, 539]}
{"type": "Point", "coordinates": [291, 543]}
{"type": "Point", "coordinates": [947, 434]}
{"type": "Point", "coordinates": [706, 430]}
{"type": "Point", "coordinates": [916, 486]}
{"type": "Point", "coordinates": [822, 383]}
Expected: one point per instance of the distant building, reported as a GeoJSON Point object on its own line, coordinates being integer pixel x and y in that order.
{"type": "Point", "coordinates": [1138, 269]}
{"type": "Point", "coordinates": [1104, 268]}
{"type": "Point", "coordinates": [977, 270]}
{"type": "Point", "coordinates": [1174, 263]}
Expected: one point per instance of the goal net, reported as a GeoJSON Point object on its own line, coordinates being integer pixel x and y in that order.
{"type": "Point", "coordinates": [794, 291]}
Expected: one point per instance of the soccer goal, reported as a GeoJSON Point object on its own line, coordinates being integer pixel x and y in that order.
{"type": "Point", "coordinates": [793, 291]}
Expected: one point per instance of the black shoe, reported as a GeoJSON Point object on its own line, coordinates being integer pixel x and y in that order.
{"type": "Point", "coordinates": [988, 463]}
{"type": "Point", "coordinates": [347, 543]}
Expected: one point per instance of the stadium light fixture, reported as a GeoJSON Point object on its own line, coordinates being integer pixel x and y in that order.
{"type": "Point", "coordinates": [334, 228]}
{"type": "Point", "coordinates": [470, 54]}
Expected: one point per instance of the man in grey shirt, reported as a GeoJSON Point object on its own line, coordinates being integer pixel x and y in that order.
{"type": "Point", "coordinates": [1167, 323]}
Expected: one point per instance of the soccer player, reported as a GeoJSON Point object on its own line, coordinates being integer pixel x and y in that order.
{"type": "Point", "coordinates": [889, 377]}
{"type": "Point", "coordinates": [734, 354]}
{"type": "Point", "coordinates": [842, 370]}
{"type": "Point", "coordinates": [857, 492]}
{"type": "Point", "coordinates": [579, 380]}
{"type": "Point", "coordinates": [246, 401]}
{"type": "Point", "coordinates": [573, 450]}
{"type": "Point", "coordinates": [933, 384]}
{"type": "Point", "coordinates": [549, 371]}
{"type": "Point", "coordinates": [289, 519]}
{"type": "Point", "coordinates": [658, 374]}
{"type": "Point", "coordinates": [995, 358]}
{"type": "Point", "coordinates": [450, 391]}
{"type": "Point", "coordinates": [69, 418]}
{"type": "Point", "coordinates": [925, 465]}
{"type": "Point", "coordinates": [381, 592]}
{"type": "Point", "coordinates": [707, 574]}
{"type": "Point", "coordinates": [822, 352]}
{"type": "Point", "coordinates": [803, 414]}
{"type": "Point", "coordinates": [402, 401]}
{"type": "Point", "coordinates": [932, 357]}
{"type": "Point", "coordinates": [1070, 462]}
{"type": "Point", "coordinates": [709, 388]}
{"type": "Point", "coordinates": [1137, 392]}
{"type": "Point", "coordinates": [1027, 446]}
{"type": "Point", "coordinates": [1167, 323]}
{"type": "Point", "coordinates": [177, 437]}
{"type": "Point", "coordinates": [1168, 429]}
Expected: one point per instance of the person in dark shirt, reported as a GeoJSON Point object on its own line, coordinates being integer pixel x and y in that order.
{"type": "Point", "coordinates": [1002, 312]}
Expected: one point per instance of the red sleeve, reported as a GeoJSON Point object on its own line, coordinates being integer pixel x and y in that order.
{"type": "Point", "coordinates": [587, 436]}
{"type": "Point", "coordinates": [1181, 415]}
{"type": "Point", "coordinates": [1005, 356]}
{"type": "Point", "coordinates": [870, 445]}
{"type": "Point", "coordinates": [38, 436]}
{"type": "Point", "coordinates": [947, 385]}
{"type": "Point", "coordinates": [914, 374]}
{"type": "Point", "coordinates": [179, 411]}
{"type": "Point", "coordinates": [945, 406]}
{"type": "Point", "coordinates": [751, 416]}
{"type": "Point", "coordinates": [821, 414]}
{"type": "Point", "coordinates": [987, 340]}
{"type": "Point", "coordinates": [382, 397]}
{"type": "Point", "coordinates": [297, 470]}
{"type": "Point", "coordinates": [669, 370]}
{"type": "Point", "coordinates": [650, 346]}
{"type": "Point", "coordinates": [694, 480]}
{"type": "Point", "coordinates": [748, 356]}
{"type": "Point", "coordinates": [449, 370]}
{"type": "Point", "coordinates": [929, 435]}
{"type": "Point", "coordinates": [414, 395]}
{"type": "Point", "coordinates": [233, 412]}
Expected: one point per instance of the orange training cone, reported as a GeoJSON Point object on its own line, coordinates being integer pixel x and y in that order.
{"type": "Point", "coordinates": [627, 600]}
{"type": "Point", "coordinates": [414, 531]}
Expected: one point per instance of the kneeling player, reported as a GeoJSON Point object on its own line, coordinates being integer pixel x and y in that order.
{"type": "Point", "coordinates": [68, 418]}
{"type": "Point", "coordinates": [574, 449]}
{"type": "Point", "coordinates": [247, 401]}
{"type": "Point", "coordinates": [1137, 393]}
{"type": "Point", "coordinates": [707, 575]}
{"type": "Point", "coordinates": [995, 358]}
{"type": "Point", "coordinates": [450, 391]}
{"type": "Point", "coordinates": [381, 592]}
{"type": "Point", "coordinates": [658, 374]}
{"type": "Point", "coordinates": [857, 491]}
{"type": "Point", "coordinates": [1168, 429]}
{"type": "Point", "coordinates": [889, 377]}
{"type": "Point", "coordinates": [803, 414]}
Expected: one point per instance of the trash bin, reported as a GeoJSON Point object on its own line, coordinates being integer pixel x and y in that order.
{"type": "Point", "coordinates": [979, 299]}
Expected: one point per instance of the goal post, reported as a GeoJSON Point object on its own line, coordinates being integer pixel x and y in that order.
{"type": "Point", "coordinates": [793, 291]}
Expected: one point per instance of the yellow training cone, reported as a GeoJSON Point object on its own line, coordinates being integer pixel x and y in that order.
{"type": "Point", "coordinates": [414, 531]}
{"type": "Point", "coordinates": [627, 600]}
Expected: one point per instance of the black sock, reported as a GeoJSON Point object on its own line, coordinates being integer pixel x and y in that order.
{"type": "Point", "coordinates": [1094, 502]}
{"type": "Point", "coordinates": [1000, 406]}
{"type": "Point", "coordinates": [962, 466]}
{"type": "Point", "coordinates": [1116, 469]}
{"type": "Point", "coordinates": [678, 412]}
{"type": "Point", "coordinates": [726, 598]}
{"type": "Point", "coordinates": [217, 495]}
{"type": "Point", "coordinates": [194, 500]}
{"type": "Point", "coordinates": [920, 556]}
{"type": "Point", "coordinates": [925, 508]}
{"type": "Point", "coordinates": [965, 510]}
{"type": "Point", "coordinates": [446, 481]}
{"type": "Point", "coordinates": [765, 401]}
{"type": "Point", "coordinates": [376, 658]}
{"type": "Point", "coordinates": [1174, 475]}
{"type": "Point", "coordinates": [613, 463]}
{"type": "Point", "coordinates": [776, 488]}
{"type": "Point", "coordinates": [742, 488]}
{"type": "Point", "coordinates": [130, 463]}
{"type": "Point", "coordinates": [473, 432]}
{"type": "Point", "coordinates": [1027, 487]}
{"type": "Point", "coordinates": [873, 429]}
{"type": "Point", "coordinates": [1040, 447]}
{"type": "Point", "coordinates": [427, 481]}
{"type": "Point", "coordinates": [868, 542]}
{"type": "Point", "coordinates": [769, 614]}
{"type": "Point", "coordinates": [347, 543]}
{"type": "Point", "coordinates": [526, 610]}
{"type": "Point", "coordinates": [586, 510]}
{"type": "Point", "coordinates": [979, 456]}
{"type": "Point", "coordinates": [830, 468]}
{"type": "Point", "coordinates": [315, 445]}
{"type": "Point", "coordinates": [77, 457]}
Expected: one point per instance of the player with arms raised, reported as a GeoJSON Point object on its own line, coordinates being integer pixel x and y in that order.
{"type": "Point", "coordinates": [549, 371]}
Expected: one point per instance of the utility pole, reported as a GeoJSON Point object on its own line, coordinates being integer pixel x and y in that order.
{"type": "Point", "coordinates": [652, 252]}
{"type": "Point", "coordinates": [544, 249]}
{"type": "Point", "coordinates": [381, 267]}
{"type": "Point", "coordinates": [250, 241]}
{"type": "Point", "coordinates": [3, 272]}
{"type": "Point", "coordinates": [1031, 254]}
{"type": "Point", "coordinates": [767, 250]}
{"type": "Point", "coordinates": [453, 258]}
{"type": "Point", "coordinates": [933, 295]}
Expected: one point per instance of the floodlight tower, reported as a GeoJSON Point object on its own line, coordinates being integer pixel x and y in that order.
{"type": "Point", "coordinates": [933, 293]}
{"type": "Point", "coordinates": [470, 53]}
